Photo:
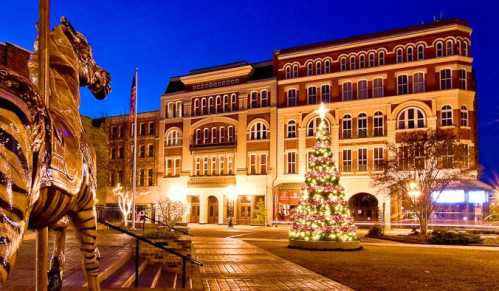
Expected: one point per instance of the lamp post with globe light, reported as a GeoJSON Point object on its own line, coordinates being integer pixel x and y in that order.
{"type": "Point", "coordinates": [231, 196]}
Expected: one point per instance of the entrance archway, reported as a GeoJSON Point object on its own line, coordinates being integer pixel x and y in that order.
{"type": "Point", "coordinates": [194, 217]}
{"type": "Point", "coordinates": [364, 207]}
{"type": "Point", "coordinates": [212, 210]}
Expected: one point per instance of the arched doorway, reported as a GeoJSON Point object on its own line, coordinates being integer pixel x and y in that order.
{"type": "Point", "coordinates": [364, 207]}
{"type": "Point", "coordinates": [194, 217]}
{"type": "Point", "coordinates": [212, 210]}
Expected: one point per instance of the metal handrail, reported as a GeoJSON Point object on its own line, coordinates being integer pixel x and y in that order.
{"type": "Point", "coordinates": [145, 240]}
{"type": "Point", "coordinates": [163, 224]}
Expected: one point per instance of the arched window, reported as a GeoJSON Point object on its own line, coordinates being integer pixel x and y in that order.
{"type": "Point", "coordinates": [372, 59]}
{"type": "Point", "coordinates": [173, 137]}
{"type": "Point", "coordinates": [410, 54]}
{"type": "Point", "coordinates": [459, 44]}
{"type": "Point", "coordinates": [464, 117]}
{"type": "Point", "coordinates": [259, 131]}
{"type": "Point", "coordinates": [346, 126]}
{"type": "Point", "coordinates": [291, 129]}
{"type": "Point", "coordinates": [221, 134]}
{"type": "Point", "coordinates": [218, 104]}
{"type": "Point", "coordinates": [362, 61]}
{"type": "Point", "coordinates": [211, 104]}
{"type": "Point", "coordinates": [327, 66]}
{"type": "Point", "coordinates": [314, 124]}
{"type": "Point", "coordinates": [233, 102]}
{"type": "Point", "coordinates": [378, 124]}
{"type": "Point", "coordinates": [362, 125]}
{"type": "Point", "coordinates": [446, 115]}
{"type": "Point", "coordinates": [310, 69]}
{"type": "Point", "coordinates": [204, 107]}
{"type": "Point", "coordinates": [230, 134]}
{"type": "Point", "coordinates": [214, 135]}
{"type": "Point", "coordinates": [288, 72]}
{"type": "Point", "coordinates": [411, 118]}
{"type": "Point", "coordinates": [352, 63]}
{"type": "Point", "coordinates": [420, 52]}
{"type": "Point", "coordinates": [198, 136]}
{"type": "Point", "coordinates": [381, 58]}
{"type": "Point", "coordinates": [439, 47]}
{"type": "Point", "coordinates": [206, 136]}
{"type": "Point", "coordinates": [318, 68]}
{"type": "Point", "coordinates": [449, 48]}
{"type": "Point", "coordinates": [465, 49]}
{"type": "Point", "coordinates": [226, 103]}
{"type": "Point", "coordinates": [343, 64]}
{"type": "Point", "coordinates": [400, 55]}
{"type": "Point", "coordinates": [295, 71]}
{"type": "Point", "coordinates": [196, 106]}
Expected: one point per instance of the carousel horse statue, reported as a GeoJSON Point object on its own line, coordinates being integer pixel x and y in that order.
{"type": "Point", "coordinates": [47, 168]}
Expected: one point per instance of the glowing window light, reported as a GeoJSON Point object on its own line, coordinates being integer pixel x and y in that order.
{"type": "Point", "coordinates": [478, 196]}
{"type": "Point", "coordinates": [448, 196]}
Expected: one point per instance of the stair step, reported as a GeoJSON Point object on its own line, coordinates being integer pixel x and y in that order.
{"type": "Point", "coordinates": [167, 279]}
{"type": "Point", "coordinates": [147, 276]}
{"type": "Point", "coordinates": [124, 276]}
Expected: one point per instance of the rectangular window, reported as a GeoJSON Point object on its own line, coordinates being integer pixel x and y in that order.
{"type": "Point", "coordinates": [419, 83]}
{"type": "Point", "coordinates": [264, 96]}
{"type": "Point", "coordinates": [198, 166]}
{"type": "Point", "coordinates": [378, 121]}
{"type": "Point", "coordinates": [150, 177]}
{"type": "Point", "coordinates": [362, 89]}
{"type": "Point", "coordinates": [171, 109]}
{"type": "Point", "coordinates": [292, 97]}
{"type": "Point", "coordinates": [325, 93]}
{"type": "Point", "coordinates": [150, 150]}
{"type": "Point", "coordinates": [445, 79]}
{"type": "Point", "coordinates": [230, 134]}
{"type": "Point", "coordinates": [151, 128]}
{"type": "Point", "coordinates": [346, 91]}
{"type": "Point", "coordinates": [176, 169]}
{"type": "Point", "coordinates": [253, 164]}
{"type": "Point", "coordinates": [221, 165]}
{"type": "Point", "coordinates": [263, 164]}
{"type": "Point", "coordinates": [179, 109]}
{"type": "Point", "coordinates": [312, 95]}
{"type": "Point", "coordinates": [463, 84]}
{"type": "Point", "coordinates": [378, 159]}
{"type": "Point", "coordinates": [378, 90]}
{"type": "Point", "coordinates": [222, 134]}
{"type": "Point", "coordinates": [230, 165]}
{"type": "Point", "coordinates": [213, 166]}
{"type": "Point", "coordinates": [169, 167]}
{"type": "Point", "coordinates": [142, 129]}
{"type": "Point", "coordinates": [448, 157]}
{"type": "Point", "coordinates": [402, 85]}
{"type": "Point", "coordinates": [142, 177]}
{"type": "Point", "coordinates": [254, 100]}
{"type": "Point", "coordinates": [291, 163]}
{"type": "Point", "coordinates": [347, 160]}
{"type": "Point", "coordinates": [205, 166]}
{"type": "Point", "coordinates": [362, 160]}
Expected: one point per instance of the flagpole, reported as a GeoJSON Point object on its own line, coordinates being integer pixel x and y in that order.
{"type": "Point", "coordinates": [134, 175]}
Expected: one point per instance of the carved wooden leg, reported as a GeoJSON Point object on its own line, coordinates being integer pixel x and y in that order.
{"type": "Point", "coordinates": [86, 226]}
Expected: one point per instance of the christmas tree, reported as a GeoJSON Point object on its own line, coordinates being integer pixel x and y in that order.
{"type": "Point", "coordinates": [323, 213]}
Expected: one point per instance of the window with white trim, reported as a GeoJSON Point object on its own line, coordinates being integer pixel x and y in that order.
{"type": "Point", "coordinates": [463, 82]}
{"type": "Point", "coordinates": [378, 88]}
{"type": "Point", "coordinates": [263, 164]}
{"type": "Point", "coordinates": [218, 104]}
{"type": "Point", "coordinates": [254, 99]}
{"type": "Point", "coordinates": [402, 85]}
{"type": "Point", "coordinates": [173, 137]}
{"type": "Point", "coordinates": [226, 103]}
{"type": "Point", "coordinates": [352, 63]}
{"type": "Point", "coordinates": [465, 49]}
{"type": "Point", "coordinates": [252, 164]}
{"type": "Point", "coordinates": [221, 136]}
{"type": "Point", "coordinates": [343, 64]}
{"type": "Point", "coordinates": [362, 125]}
{"type": "Point", "coordinates": [230, 134]}
{"type": "Point", "coordinates": [346, 130]}
{"type": "Point", "coordinates": [378, 122]}
{"type": "Point", "coordinates": [400, 55]}
{"type": "Point", "coordinates": [313, 125]}
{"type": "Point", "coordinates": [464, 118]}
{"type": "Point", "coordinates": [288, 73]}
{"type": "Point", "coordinates": [213, 166]}
{"type": "Point", "coordinates": [310, 69]}
{"type": "Point", "coordinates": [439, 47]}
{"type": "Point", "coordinates": [214, 135]}
{"type": "Point", "coordinates": [409, 54]}
{"type": "Point", "coordinates": [198, 137]}
{"type": "Point", "coordinates": [197, 167]}
{"type": "Point", "coordinates": [449, 48]}
{"type": "Point", "coordinates": [318, 68]}
{"type": "Point", "coordinates": [259, 131]}
{"type": "Point", "coordinates": [347, 92]}
{"type": "Point", "coordinates": [325, 93]}
{"type": "Point", "coordinates": [327, 66]}
{"type": "Point", "coordinates": [291, 163]}
{"type": "Point", "coordinates": [420, 52]}
{"type": "Point", "coordinates": [172, 167]}
{"type": "Point", "coordinates": [362, 160]}
{"type": "Point", "coordinates": [446, 115]}
{"type": "Point", "coordinates": [295, 71]}
{"type": "Point", "coordinates": [230, 165]}
{"type": "Point", "coordinates": [378, 158]}
{"type": "Point", "coordinates": [419, 83]}
{"type": "Point", "coordinates": [205, 166]}
{"type": "Point", "coordinates": [233, 102]}
{"type": "Point", "coordinates": [150, 177]}
{"type": "Point", "coordinates": [211, 104]}
{"type": "Point", "coordinates": [221, 165]}
{"type": "Point", "coordinates": [362, 89]}
{"type": "Point", "coordinates": [347, 161]}
{"type": "Point", "coordinates": [196, 110]}
{"type": "Point", "coordinates": [381, 58]}
{"type": "Point", "coordinates": [204, 105]}
{"type": "Point", "coordinates": [445, 79]}
{"type": "Point", "coordinates": [410, 118]}
{"type": "Point", "coordinates": [362, 61]}
{"type": "Point", "coordinates": [312, 95]}
{"type": "Point", "coordinates": [292, 97]}
{"type": "Point", "coordinates": [264, 98]}
{"type": "Point", "coordinates": [291, 129]}
{"type": "Point", "coordinates": [372, 60]}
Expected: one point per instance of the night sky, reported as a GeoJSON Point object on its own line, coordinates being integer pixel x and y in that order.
{"type": "Point", "coordinates": [168, 38]}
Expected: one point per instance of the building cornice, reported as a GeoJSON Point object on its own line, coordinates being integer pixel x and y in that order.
{"type": "Point", "coordinates": [217, 75]}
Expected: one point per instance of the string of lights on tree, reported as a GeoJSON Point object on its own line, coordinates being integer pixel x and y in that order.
{"type": "Point", "coordinates": [323, 212]}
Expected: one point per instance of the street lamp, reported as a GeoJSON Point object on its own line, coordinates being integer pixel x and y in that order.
{"type": "Point", "coordinates": [231, 195]}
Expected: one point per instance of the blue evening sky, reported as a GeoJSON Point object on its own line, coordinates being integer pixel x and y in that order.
{"type": "Point", "coordinates": [168, 38]}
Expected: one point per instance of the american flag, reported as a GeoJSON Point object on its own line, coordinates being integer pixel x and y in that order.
{"type": "Point", "coordinates": [133, 98]}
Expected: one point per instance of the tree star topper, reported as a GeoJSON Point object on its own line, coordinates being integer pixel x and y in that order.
{"type": "Point", "coordinates": [322, 111]}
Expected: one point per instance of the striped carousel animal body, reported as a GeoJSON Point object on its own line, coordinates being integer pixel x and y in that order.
{"type": "Point", "coordinates": [47, 169]}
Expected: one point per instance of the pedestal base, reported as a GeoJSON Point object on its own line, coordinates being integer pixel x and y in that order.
{"type": "Point", "coordinates": [325, 245]}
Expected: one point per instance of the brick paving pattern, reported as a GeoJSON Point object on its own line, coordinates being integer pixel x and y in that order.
{"type": "Point", "coordinates": [232, 264]}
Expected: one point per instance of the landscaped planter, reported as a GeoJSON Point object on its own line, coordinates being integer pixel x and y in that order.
{"type": "Point", "coordinates": [325, 245]}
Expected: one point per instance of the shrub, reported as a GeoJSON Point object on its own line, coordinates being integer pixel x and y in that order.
{"type": "Point", "coordinates": [376, 231]}
{"type": "Point", "coordinates": [453, 237]}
